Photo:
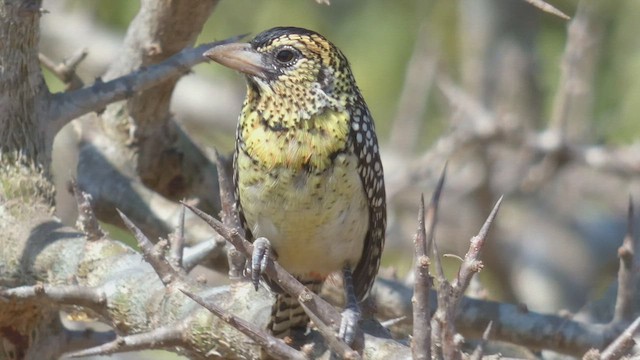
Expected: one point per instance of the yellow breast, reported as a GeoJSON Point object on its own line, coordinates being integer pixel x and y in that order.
{"type": "Point", "coordinates": [307, 143]}
{"type": "Point", "coordinates": [316, 222]}
{"type": "Point", "coordinates": [299, 187]}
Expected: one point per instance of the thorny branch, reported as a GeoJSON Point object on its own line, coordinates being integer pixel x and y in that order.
{"type": "Point", "coordinates": [70, 105]}
{"type": "Point", "coordinates": [626, 305]}
{"type": "Point", "coordinates": [422, 336]}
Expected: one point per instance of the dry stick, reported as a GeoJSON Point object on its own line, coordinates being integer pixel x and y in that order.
{"type": "Point", "coordinates": [176, 239]}
{"type": "Point", "coordinates": [273, 346]}
{"type": "Point", "coordinates": [338, 347]}
{"type": "Point", "coordinates": [440, 317]}
{"type": "Point", "coordinates": [625, 304]}
{"type": "Point", "coordinates": [444, 340]}
{"type": "Point", "coordinates": [229, 216]}
{"type": "Point", "coordinates": [91, 298]}
{"type": "Point", "coordinates": [195, 254]}
{"type": "Point", "coordinates": [455, 291]}
{"type": "Point", "coordinates": [160, 338]}
{"type": "Point", "coordinates": [421, 341]}
{"type": "Point", "coordinates": [472, 263]}
{"type": "Point", "coordinates": [70, 105]}
{"type": "Point", "coordinates": [392, 322]}
{"type": "Point", "coordinates": [546, 7]}
{"type": "Point", "coordinates": [66, 70]}
{"type": "Point", "coordinates": [152, 254]}
{"type": "Point", "coordinates": [621, 345]}
{"type": "Point", "coordinates": [449, 295]}
{"type": "Point", "coordinates": [323, 310]}
{"type": "Point", "coordinates": [87, 222]}
{"type": "Point", "coordinates": [479, 350]}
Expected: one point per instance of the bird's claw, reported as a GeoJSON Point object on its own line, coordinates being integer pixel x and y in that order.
{"type": "Point", "coordinates": [349, 325]}
{"type": "Point", "coordinates": [259, 258]}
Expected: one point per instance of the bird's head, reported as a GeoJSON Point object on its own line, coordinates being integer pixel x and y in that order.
{"type": "Point", "coordinates": [289, 62]}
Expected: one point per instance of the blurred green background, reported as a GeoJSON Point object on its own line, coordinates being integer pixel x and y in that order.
{"type": "Point", "coordinates": [378, 37]}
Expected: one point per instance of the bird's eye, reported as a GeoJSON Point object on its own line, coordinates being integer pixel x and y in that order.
{"type": "Point", "coordinates": [285, 56]}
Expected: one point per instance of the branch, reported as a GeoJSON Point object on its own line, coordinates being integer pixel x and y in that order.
{"type": "Point", "coordinates": [622, 344]}
{"type": "Point", "coordinates": [327, 313]}
{"type": "Point", "coordinates": [548, 8]}
{"type": "Point", "coordinates": [176, 240]}
{"type": "Point", "coordinates": [70, 105]}
{"type": "Point", "coordinates": [472, 263]}
{"type": "Point", "coordinates": [229, 215]}
{"type": "Point", "coordinates": [87, 221]}
{"type": "Point", "coordinates": [161, 338]}
{"type": "Point", "coordinates": [422, 342]}
{"type": "Point", "coordinates": [511, 323]}
{"type": "Point", "coordinates": [66, 70]}
{"type": "Point", "coordinates": [154, 255]}
{"type": "Point", "coordinates": [626, 303]}
{"type": "Point", "coordinates": [479, 350]}
{"type": "Point", "coordinates": [91, 298]}
{"type": "Point", "coordinates": [273, 346]}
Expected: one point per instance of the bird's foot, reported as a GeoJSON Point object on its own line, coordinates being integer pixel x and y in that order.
{"type": "Point", "coordinates": [349, 325]}
{"type": "Point", "coordinates": [259, 258]}
{"type": "Point", "coordinates": [351, 314]}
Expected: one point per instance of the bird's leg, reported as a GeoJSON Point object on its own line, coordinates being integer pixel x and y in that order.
{"type": "Point", "coordinates": [259, 258]}
{"type": "Point", "coordinates": [351, 313]}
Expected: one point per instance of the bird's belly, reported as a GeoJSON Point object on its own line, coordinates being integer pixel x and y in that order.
{"type": "Point", "coordinates": [316, 222]}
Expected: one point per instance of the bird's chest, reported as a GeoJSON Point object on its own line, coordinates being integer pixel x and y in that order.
{"type": "Point", "coordinates": [316, 219]}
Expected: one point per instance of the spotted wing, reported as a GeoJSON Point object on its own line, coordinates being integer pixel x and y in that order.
{"type": "Point", "coordinates": [365, 146]}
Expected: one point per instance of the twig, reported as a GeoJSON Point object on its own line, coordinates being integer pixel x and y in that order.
{"type": "Point", "coordinates": [445, 339]}
{"type": "Point", "coordinates": [327, 313]}
{"type": "Point", "coordinates": [548, 8]}
{"type": "Point", "coordinates": [337, 346]}
{"type": "Point", "coordinates": [68, 106]}
{"type": "Point", "coordinates": [421, 340]}
{"type": "Point", "coordinates": [440, 318]}
{"type": "Point", "coordinates": [176, 242]}
{"type": "Point", "coordinates": [621, 345]}
{"type": "Point", "coordinates": [626, 302]}
{"type": "Point", "coordinates": [452, 293]}
{"type": "Point", "coordinates": [91, 298]}
{"type": "Point", "coordinates": [511, 322]}
{"type": "Point", "coordinates": [66, 70]}
{"type": "Point", "coordinates": [87, 221]}
{"type": "Point", "coordinates": [391, 322]}
{"type": "Point", "coordinates": [273, 346]}
{"type": "Point", "coordinates": [195, 254]}
{"type": "Point", "coordinates": [161, 338]}
{"type": "Point", "coordinates": [438, 321]}
{"type": "Point", "coordinates": [229, 216]}
{"type": "Point", "coordinates": [152, 254]}
{"type": "Point", "coordinates": [472, 263]}
{"type": "Point", "coordinates": [479, 350]}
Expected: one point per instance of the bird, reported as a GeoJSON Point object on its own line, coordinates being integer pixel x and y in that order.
{"type": "Point", "coordinates": [308, 177]}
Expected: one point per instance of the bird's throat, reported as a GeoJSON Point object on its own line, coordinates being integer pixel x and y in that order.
{"type": "Point", "coordinates": [282, 139]}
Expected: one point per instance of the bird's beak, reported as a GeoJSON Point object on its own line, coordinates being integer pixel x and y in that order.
{"type": "Point", "coordinates": [239, 56]}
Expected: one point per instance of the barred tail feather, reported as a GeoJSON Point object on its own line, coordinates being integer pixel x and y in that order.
{"type": "Point", "coordinates": [287, 314]}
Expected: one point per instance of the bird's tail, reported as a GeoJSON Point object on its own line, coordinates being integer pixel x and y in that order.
{"type": "Point", "coordinates": [287, 314]}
